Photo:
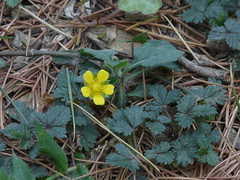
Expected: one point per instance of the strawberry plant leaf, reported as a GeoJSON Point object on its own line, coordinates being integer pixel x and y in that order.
{"type": "Point", "coordinates": [184, 149]}
{"type": "Point", "coordinates": [123, 158]}
{"type": "Point", "coordinates": [230, 32]}
{"type": "Point", "coordinates": [126, 120]}
{"type": "Point", "coordinates": [201, 10]}
{"type": "Point", "coordinates": [80, 118]}
{"type": "Point", "coordinates": [48, 146]}
{"type": "Point", "coordinates": [211, 94]}
{"type": "Point", "coordinates": [161, 153]}
{"type": "Point", "coordinates": [155, 53]}
{"type": "Point", "coordinates": [61, 91]}
{"type": "Point", "coordinates": [21, 170]}
{"type": "Point", "coordinates": [188, 110]}
{"type": "Point", "coordinates": [5, 176]}
{"type": "Point", "coordinates": [145, 6]}
{"type": "Point", "coordinates": [53, 120]}
{"type": "Point", "coordinates": [205, 152]}
{"type": "Point", "coordinates": [88, 135]}
{"type": "Point", "coordinates": [156, 125]}
{"type": "Point", "coordinates": [162, 98]}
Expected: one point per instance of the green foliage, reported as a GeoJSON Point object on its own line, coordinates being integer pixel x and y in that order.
{"type": "Point", "coordinates": [184, 149]}
{"type": "Point", "coordinates": [140, 38]}
{"type": "Point", "coordinates": [144, 6]}
{"type": "Point", "coordinates": [155, 53]}
{"type": "Point", "coordinates": [48, 146]}
{"type": "Point", "coordinates": [161, 153]}
{"type": "Point", "coordinates": [12, 3]}
{"type": "Point", "coordinates": [61, 91]}
{"type": "Point", "coordinates": [80, 171]}
{"type": "Point", "coordinates": [5, 176]}
{"type": "Point", "coordinates": [126, 120]}
{"type": "Point", "coordinates": [53, 120]}
{"type": "Point", "coordinates": [39, 171]}
{"type": "Point", "coordinates": [157, 124]}
{"type": "Point", "coordinates": [21, 132]}
{"type": "Point", "coordinates": [2, 63]}
{"type": "Point", "coordinates": [139, 92]}
{"type": "Point", "coordinates": [201, 10]}
{"type": "Point", "coordinates": [87, 136]}
{"type": "Point", "coordinates": [230, 33]}
{"type": "Point", "coordinates": [2, 146]}
{"type": "Point", "coordinates": [211, 94]}
{"type": "Point", "coordinates": [188, 109]}
{"type": "Point", "coordinates": [21, 170]}
{"type": "Point", "coordinates": [26, 111]}
{"type": "Point", "coordinates": [123, 158]}
{"type": "Point", "coordinates": [162, 98]}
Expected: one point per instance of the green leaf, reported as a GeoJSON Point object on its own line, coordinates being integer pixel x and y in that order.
{"type": "Point", "coordinates": [21, 170]}
{"type": "Point", "coordinates": [184, 149]}
{"type": "Point", "coordinates": [88, 135]}
{"type": "Point", "coordinates": [139, 91]}
{"type": "Point", "coordinates": [5, 176]}
{"type": "Point", "coordinates": [65, 60]}
{"type": "Point", "coordinates": [156, 125]}
{"type": "Point", "coordinates": [140, 38]}
{"type": "Point", "coordinates": [105, 54]}
{"type": "Point", "coordinates": [61, 91]}
{"type": "Point", "coordinates": [39, 171]}
{"type": "Point", "coordinates": [205, 152]}
{"type": "Point", "coordinates": [201, 10]}
{"type": "Point", "coordinates": [54, 120]}
{"type": "Point", "coordinates": [211, 94]}
{"type": "Point", "coordinates": [123, 158]}
{"type": "Point", "coordinates": [6, 164]}
{"type": "Point", "coordinates": [2, 146]}
{"type": "Point", "coordinates": [230, 32]}
{"type": "Point", "coordinates": [188, 110]}
{"type": "Point", "coordinates": [5, 37]}
{"type": "Point", "coordinates": [80, 118]}
{"type": "Point", "coordinates": [21, 132]}
{"type": "Point", "coordinates": [80, 171]}
{"type": "Point", "coordinates": [155, 53]}
{"type": "Point", "coordinates": [162, 98]}
{"type": "Point", "coordinates": [2, 63]}
{"type": "Point", "coordinates": [12, 3]}
{"type": "Point", "coordinates": [48, 146]}
{"type": "Point", "coordinates": [161, 153]}
{"type": "Point", "coordinates": [126, 120]}
{"type": "Point", "coordinates": [145, 6]}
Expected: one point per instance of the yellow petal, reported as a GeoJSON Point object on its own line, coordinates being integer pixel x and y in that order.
{"type": "Point", "coordinates": [86, 91]}
{"type": "Point", "coordinates": [98, 99]}
{"type": "Point", "coordinates": [88, 77]}
{"type": "Point", "coordinates": [108, 89]}
{"type": "Point", "coordinates": [102, 75]}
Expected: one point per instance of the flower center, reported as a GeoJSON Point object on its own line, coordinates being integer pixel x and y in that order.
{"type": "Point", "coordinates": [96, 87]}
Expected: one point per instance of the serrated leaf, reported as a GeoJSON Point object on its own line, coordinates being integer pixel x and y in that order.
{"type": "Point", "coordinates": [12, 3]}
{"type": "Point", "coordinates": [5, 176]}
{"type": "Point", "coordinates": [211, 94]}
{"type": "Point", "coordinates": [48, 146]}
{"type": "Point", "coordinates": [155, 53]}
{"type": "Point", "coordinates": [201, 10]}
{"type": "Point", "coordinates": [87, 136]}
{"type": "Point", "coordinates": [126, 120]}
{"type": "Point", "coordinates": [61, 91]}
{"type": "Point", "coordinates": [123, 158]}
{"type": "Point", "coordinates": [54, 120]}
{"type": "Point", "coordinates": [230, 32]}
{"type": "Point", "coordinates": [205, 152]}
{"type": "Point", "coordinates": [21, 170]}
{"type": "Point", "coordinates": [21, 132]}
{"type": "Point", "coordinates": [80, 118]}
{"type": "Point", "coordinates": [105, 54]}
{"type": "Point", "coordinates": [188, 110]}
{"type": "Point", "coordinates": [156, 125]}
{"type": "Point", "coordinates": [185, 149]}
{"type": "Point", "coordinates": [145, 6]}
{"type": "Point", "coordinates": [161, 153]}
{"type": "Point", "coordinates": [34, 151]}
{"type": "Point", "coordinates": [162, 98]}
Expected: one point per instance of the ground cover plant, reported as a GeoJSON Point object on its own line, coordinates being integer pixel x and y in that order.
{"type": "Point", "coordinates": [119, 90]}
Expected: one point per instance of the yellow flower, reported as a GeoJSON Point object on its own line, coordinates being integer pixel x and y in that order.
{"type": "Point", "coordinates": [96, 86]}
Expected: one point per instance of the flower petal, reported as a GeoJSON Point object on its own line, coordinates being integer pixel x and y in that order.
{"type": "Point", "coordinates": [86, 91]}
{"type": "Point", "coordinates": [98, 99]}
{"type": "Point", "coordinates": [108, 89]}
{"type": "Point", "coordinates": [88, 77]}
{"type": "Point", "coordinates": [102, 75]}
